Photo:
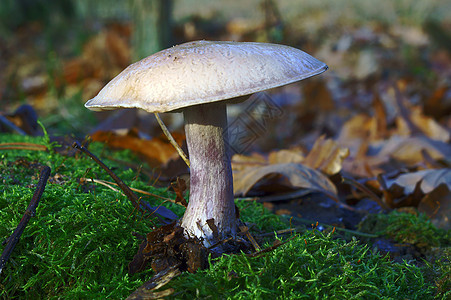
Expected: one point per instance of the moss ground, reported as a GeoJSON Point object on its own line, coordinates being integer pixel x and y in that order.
{"type": "Point", "coordinates": [80, 242]}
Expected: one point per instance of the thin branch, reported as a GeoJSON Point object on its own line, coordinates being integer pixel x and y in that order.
{"type": "Point", "coordinates": [22, 146]}
{"type": "Point", "coordinates": [127, 191]}
{"type": "Point", "coordinates": [30, 212]}
{"type": "Point", "coordinates": [171, 140]}
{"type": "Point", "coordinates": [367, 191]}
{"type": "Point", "coordinates": [11, 125]}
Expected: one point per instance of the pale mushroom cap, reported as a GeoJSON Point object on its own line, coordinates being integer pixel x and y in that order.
{"type": "Point", "coordinates": [202, 72]}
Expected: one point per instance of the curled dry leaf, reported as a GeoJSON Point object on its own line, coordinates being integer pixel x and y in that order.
{"type": "Point", "coordinates": [358, 128]}
{"type": "Point", "coordinates": [286, 156]}
{"type": "Point", "coordinates": [299, 176]}
{"type": "Point", "coordinates": [326, 156]}
{"type": "Point", "coordinates": [241, 162]}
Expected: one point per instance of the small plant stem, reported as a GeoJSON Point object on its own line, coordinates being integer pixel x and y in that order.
{"type": "Point", "coordinates": [30, 212]}
{"type": "Point", "coordinates": [172, 140]}
{"type": "Point", "coordinates": [308, 222]}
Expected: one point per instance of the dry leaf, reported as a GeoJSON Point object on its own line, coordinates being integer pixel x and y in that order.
{"type": "Point", "coordinates": [424, 123]}
{"type": "Point", "coordinates": [157, 152]}
{"type": "Point", "coordinates": [286, 156]}
{"type": "Point", "coordinates": [241, 162]}
{"type": "Point", "coordinates": [326, 156]}
{"type": "Point", "coordinates": [299, 176]}
{"type": "Point", "coordinates": [409, 149]}
{"type": "Point", "coordinates": [358, 128]}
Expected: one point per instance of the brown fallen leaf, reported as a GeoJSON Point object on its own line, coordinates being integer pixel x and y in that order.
{"type": "Point", "coordinates": [157, 152]}
{"type": "Point", "coordinates": [327, 156]}
{"type": "Point", "coordinates": [241, 162]}
{"type": "Point", "coordinates": [427, 125]}
{"type": "Point", "coordinates": [284, 156]}
{"type": "Point", "coordinates": [298, 176]}
{"type": "Point", "coordinates": [358, 128]}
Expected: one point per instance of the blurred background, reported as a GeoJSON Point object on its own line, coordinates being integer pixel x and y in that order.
{"type": "Point", "coordinates": [55, 55]}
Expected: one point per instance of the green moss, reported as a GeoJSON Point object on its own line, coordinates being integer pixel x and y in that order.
{"type": "Point", "coordinates": [80, 242]}
{"type": "Point", "coordinates": [310, 266]}
{"type": "Point", "coordinates": [406, 228]}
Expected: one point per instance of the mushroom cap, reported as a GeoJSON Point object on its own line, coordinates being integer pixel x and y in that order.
{"type": "Point", "coordinates": [202, 72]}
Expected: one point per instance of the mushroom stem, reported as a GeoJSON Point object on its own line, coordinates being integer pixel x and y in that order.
{"type": "Point", "coordinates": [211, 181]}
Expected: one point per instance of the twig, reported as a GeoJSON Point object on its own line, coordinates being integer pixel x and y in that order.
{"type": "Point", "coordinates": [279, 232]}
{"type": "Point", "coordinates": [127, 191]}
{"type": "Point", "coordinates": [22, 146]}
{"type": "Point", "coordinates": [30, 212]}
{"type": "Point", "coordinates": [367, 191]}
{"type": "Point", "coordinates": [244, 229]}
{"type": "Point", "coordinates": [171, 139]}
{"type": "Point", "coordinates": [11, 125]}
{"type": "Point", "coordinates": [108, 184]}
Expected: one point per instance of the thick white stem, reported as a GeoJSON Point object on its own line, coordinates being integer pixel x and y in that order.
{"type": "Point", "coordinates": [211, 183]}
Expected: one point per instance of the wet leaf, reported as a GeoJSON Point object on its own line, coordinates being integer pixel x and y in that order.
{"type": "Point", "coordinates": [430, 179]}
{"type": "Point", "coordinates": [409, 150]}
{"type": "Point", "coordinates": [437, 206]}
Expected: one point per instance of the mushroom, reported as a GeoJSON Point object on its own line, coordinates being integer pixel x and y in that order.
{"type": "Point", "coordinates": [197, 78]}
